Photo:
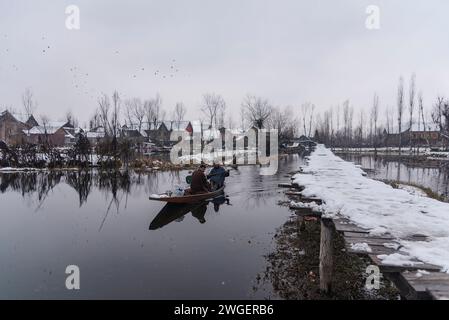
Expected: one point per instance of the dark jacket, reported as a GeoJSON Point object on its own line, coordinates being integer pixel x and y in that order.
{"type": "Point", "coordinates": [199, 182]}
{"type": "Point", "coordinates": [217, 175]}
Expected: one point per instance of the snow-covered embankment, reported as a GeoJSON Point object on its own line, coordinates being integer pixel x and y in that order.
{"type": "Point", "coordinates": [378, 207]}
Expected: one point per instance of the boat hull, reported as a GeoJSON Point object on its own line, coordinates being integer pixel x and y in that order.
{"type": "Point", "coordinates": [190, 198]}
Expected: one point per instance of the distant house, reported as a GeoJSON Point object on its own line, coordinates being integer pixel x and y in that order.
{"type": "Point", "coordinates": [94, 135]}
{"type": "Point", "coordinates": [417, 136]}
{"type": "Point", "coordinates": [56, 134]}
{"type": "Point", "coordinates": [305, 141]}
{"type": "Point", "coordinates": [132, 134]}
{"type": "Point", "coordinates": [12, 126]}
{"type": "Point", "coordinates": [161, 135]}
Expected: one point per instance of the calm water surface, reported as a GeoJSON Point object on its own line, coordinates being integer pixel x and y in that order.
{"type": "Point", "coordinates": [101, 223]}
{"type": "Point", "coordinates": [435, 177]}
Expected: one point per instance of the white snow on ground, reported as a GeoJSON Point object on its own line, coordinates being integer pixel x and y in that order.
{"type": "Point", "coordinates": [363, 247]}
{"type": "Point", "coordinates": [420, 273]}
{"type": "Point", "coordinates": [379, 207]}
{"type": "Point", "coordinates": [311, 205]}
{"type": "Point", "coordinates": [412, 190]}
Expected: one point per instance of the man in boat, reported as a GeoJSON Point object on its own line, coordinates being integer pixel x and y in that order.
{"type": "Point", "coordinates": [199, 182]}
{"type": "Point", "coordinates": [217, 176]}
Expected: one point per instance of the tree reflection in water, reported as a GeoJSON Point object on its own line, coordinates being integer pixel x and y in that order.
{"type": "Point", "coordinates": [30, 184]}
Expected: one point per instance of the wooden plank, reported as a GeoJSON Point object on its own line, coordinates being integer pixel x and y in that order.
{"type": "Point", "coordinates": [431, 276]}
{"type": "Point", "coordinates": [434, 284]}
{"type": "Point", "coordinates": [352, 234]}
{"type": "Point", "coordinates": [406, 290]}
{"type": "Point", "coordinates": [439, 295]}
{"type": "Point", "coordinates": [293, 193]}
{"type": "Point", "coordinates": [393, 268]}
{"type": "Point", "coordinates": [376, 250]}
{"type": "Point", "coordinates": [342, 226]}
{"type": "Point", "coordinates": [307, 212]}
{"type": "Point", "coordinates": [371, 241]}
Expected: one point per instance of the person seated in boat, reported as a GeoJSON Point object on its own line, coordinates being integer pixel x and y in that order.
{"type": "Point", "coordinates": [199, 182]}
{"type": "Point", "coordinates": [217, 176]}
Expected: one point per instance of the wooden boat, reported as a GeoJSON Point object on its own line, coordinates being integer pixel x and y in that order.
{"type": "Point", "coordinates": [187, 198]}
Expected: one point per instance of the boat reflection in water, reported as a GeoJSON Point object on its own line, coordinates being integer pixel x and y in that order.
{"type": "Point", "coordinates": [175, 211]}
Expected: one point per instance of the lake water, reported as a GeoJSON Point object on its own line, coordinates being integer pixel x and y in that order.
{"type": "Point", "coordinates": [432, 175]}
{"type": "Point", "coordinates": [101, 223]}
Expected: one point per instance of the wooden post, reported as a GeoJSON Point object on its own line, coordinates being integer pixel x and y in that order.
{"type": "Point", "coordinates": [326, 255]}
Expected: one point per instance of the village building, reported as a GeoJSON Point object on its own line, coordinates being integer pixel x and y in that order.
{"type": "Point", "coordinates": [160, 135]}
{"type": "Point", "coordinates": [94, 135]}
{"type": "Point", "coordinates": [56, 134]}
{"type": "Point", "coordinates": [416, 136]}
{"type": "Point", "coordinates": [12, 126]}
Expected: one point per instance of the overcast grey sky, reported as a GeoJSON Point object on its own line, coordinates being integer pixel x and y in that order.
{"type": "Point", "coordinates": [287, 51]}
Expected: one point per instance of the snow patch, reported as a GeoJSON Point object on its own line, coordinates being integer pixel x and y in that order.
{"type": "Point", "coordinates": [362, 247]}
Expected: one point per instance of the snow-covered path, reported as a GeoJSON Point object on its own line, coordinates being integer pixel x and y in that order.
{"type": "Point", "coordinates": [378, 207]}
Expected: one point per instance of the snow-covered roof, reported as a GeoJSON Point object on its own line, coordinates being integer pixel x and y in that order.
{"type": "Point", "coordinates": [94, 135]}
{"type": "Point", "coordinates": [56, 124]}
{"type": "Point", "coordinates": [69, 135]}
{"type": "Point", "coordinates": [211, 134]}
{"type": "Point", "coordinates": [42, 130]}
{"type": "Point", "coordinates": [78, 130]}
{"type": "Point", "coordinates": [18, 116]}
{"type": "Point", "coordinates": [196, 125]}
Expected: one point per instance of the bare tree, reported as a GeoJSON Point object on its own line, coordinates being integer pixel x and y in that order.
{"type": "Point", "coordinates": [135, 113]}
{"type": "Point", "coordinates": [282, 119]}
{"type": "Point", "coordinates": [149, 112]}
{"type": "Point", "coordinates": [375, 115]}
{"type": "Point", "coordinates": [157, 110]}
{"type": "Point", "coordinates": [388, 122]}
{"type": "Point", "coordinates": [304, 114]}
{"type": "Point", "coordinates": [421, 117]}
{"type": "Point", "coordinates": [411, 106]}
{"type": "Point", "coordinates": [104, 106]}
{"type": "Point", "coordinates": [311, 120]}
{"type": "Point", "coordinates": [116, 102]}
{"type": "Point", "coordinates": [180, 111]}
{"type": "Point", "coordinates": [230, 122]}
{"type": "Point", "coordinates": [361, 126]}
{"type": "Point", "coordinates": [95, 121]}
{"type": "Point", "coordinates": [437, 112]}
{"type": "Point", "coordinates": [257, 110]}
{"type": "Point", "coordinates": [29, 105]}
{"type": "Point", "coordinates": [211, 106]}
{"type": "Point", "coordinates": [400, 107]}
{"type": "Point", "coordinates": [45, 121]}
{"type": "Point", "coordinates": [348, 113]}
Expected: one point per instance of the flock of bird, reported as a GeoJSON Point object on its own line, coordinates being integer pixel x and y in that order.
{"type": "Point", "coordinates": [79, 78]}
